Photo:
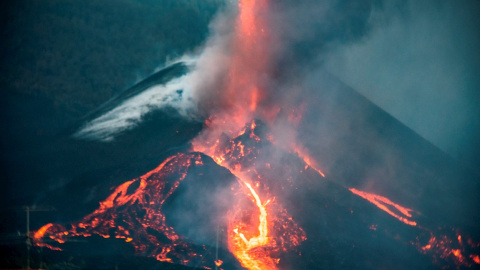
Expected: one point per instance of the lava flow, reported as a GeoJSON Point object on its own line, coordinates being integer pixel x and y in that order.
{"type": "Point", "coordinates": [269, 229]}
{"type": "Point", "coordinates": [383, 203]}
{"type": "Point", "coordinates": [258, 227]}
{"type": "Point", "coordinates": [446, 246]}
{"type": "Point", "coordinates": [450, 245]}
{"type": "Point", "coordinates": [133, 212]}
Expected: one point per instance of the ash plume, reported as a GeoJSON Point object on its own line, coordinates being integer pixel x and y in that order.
{"type": "Point", "coordinates": [308, 37]}
{"type": "Point", "coordinates": [297, 95]}
{"type": "Point", "coordinates": [182, 93]}
{"type": "Point", "coordinates": [283, 71]}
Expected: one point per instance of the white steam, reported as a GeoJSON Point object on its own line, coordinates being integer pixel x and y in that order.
{"type": "Point", "coordinates": [128, 114]}
{"type": "Point", "coordinates": [183, 94]}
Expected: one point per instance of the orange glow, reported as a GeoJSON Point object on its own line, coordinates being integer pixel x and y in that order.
{"type": "Point", "coordinates": [242, 93]}
{"type": "Point", "coordinates": [302, 154]}
{"type": "Point", "coordinates": [250, 242]}
{"type": "Point", "coordinates": [457, 253]}
{"type": "Point", "coordinates": [254, 98]}
{"type": "Point", "coordinates": [258, 229]}
{"type": "Point", "coordinates": [255, 226]}
{"type": "Point", "coordinates": [146, 195]}
{"type": "Point", "coordinates": [430, 243]}
{"type": "Point", "coordinates": [383, 203]}
{"type": "Point", "coordinates": [218, 263]}
{"type": "Point", "coordinates": [41, 232]}
{"type": "Point", "coordinates": [475, 258]}
{"type": "Point", "coordinates": [240, 246]}
{"type": "Point", "coordinates": [247, 17]}
{"type": "Point", "coordinates": [446, 248]}
{"type": "Point", "coordinates": [249, 61]}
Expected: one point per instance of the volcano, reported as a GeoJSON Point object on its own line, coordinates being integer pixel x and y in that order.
{"type": "Point", "coordinates": [270, 174]}
{"type": "Point", "coordinates": [334, 218]}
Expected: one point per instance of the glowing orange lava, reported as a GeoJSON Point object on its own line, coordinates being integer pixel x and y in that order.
{"type": "Point", "coordinates": [302, 154]}
{"type": "Point", "coordinates": [383, 203]}
{"type": "Point", "coordinates": [242, 93]}
{"type": "Point", "coordinates": [244, 248]}
{"type": "Point", "coordinates": [41, 232]}
{"type": "Point", "coordinates": [254, 230]}
{"type": "Point", "coordinates": [133, 213]}
{"type": "Point", "coordinates": [443, 247]}
{"type": "Point", "coordinates": [218, 263]}
{"type": "Point", "coordinates": [475, 258]}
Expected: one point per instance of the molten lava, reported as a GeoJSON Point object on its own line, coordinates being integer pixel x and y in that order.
{"type": "Point", "coordinates": [258, 228]}
{"type": "Point", "coordinates": [133, 212]}
{"type": "Point", "coordinates": [441, 246]}
{"type": "Point", "coordinates": [383, 203]}
{"type": "Point", "coordinates": [242, 92]}
{"type": "Point", "coordinates": [243, 248]}
{"type": "Point", "coordinates": [302, 154]}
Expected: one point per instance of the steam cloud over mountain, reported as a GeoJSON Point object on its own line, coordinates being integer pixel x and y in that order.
{"type": "Point", "coordinates": [299, 35]}
{"type": "Point", "coordinates": [351, 40]}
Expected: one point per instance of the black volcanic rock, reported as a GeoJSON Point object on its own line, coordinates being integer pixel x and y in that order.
{"type": "Point", "coordinates": [198, 207]}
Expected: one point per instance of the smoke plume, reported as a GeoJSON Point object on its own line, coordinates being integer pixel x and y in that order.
{"type": "Point", "coordinates": [282, 76]}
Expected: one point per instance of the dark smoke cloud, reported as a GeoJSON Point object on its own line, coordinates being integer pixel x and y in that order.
{"type": "Point", "coordinates": [417, 60]}
{"type": "Point", "coordinates": [300, 34]}
{"type": "Point", "coordinates": [307, 29]}
{"type": "Point", "coordinates": [421, 64]}
{"type": "Point", "coordinates": [357, 142]}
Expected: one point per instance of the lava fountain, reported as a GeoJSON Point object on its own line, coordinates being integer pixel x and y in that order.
{"type": "Point", "coordinates": [242, 92]}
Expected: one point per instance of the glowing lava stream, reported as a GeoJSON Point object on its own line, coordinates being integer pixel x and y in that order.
{"type": "Point", "coordinates": [240, 246]}
{"type": "Point", "coordinates": [262, 238]}
{"type": "Point", "coordinates": [383, 202]}
{"type": "Point", "coordinates": [257, 230]}
{"type": "Point", "coordinates": [308, 160]}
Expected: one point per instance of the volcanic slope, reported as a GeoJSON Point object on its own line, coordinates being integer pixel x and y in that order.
{"type": "Point", "coordinates": [343, 231]}
{"type": "Point", "coordinates": [362, 148]}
